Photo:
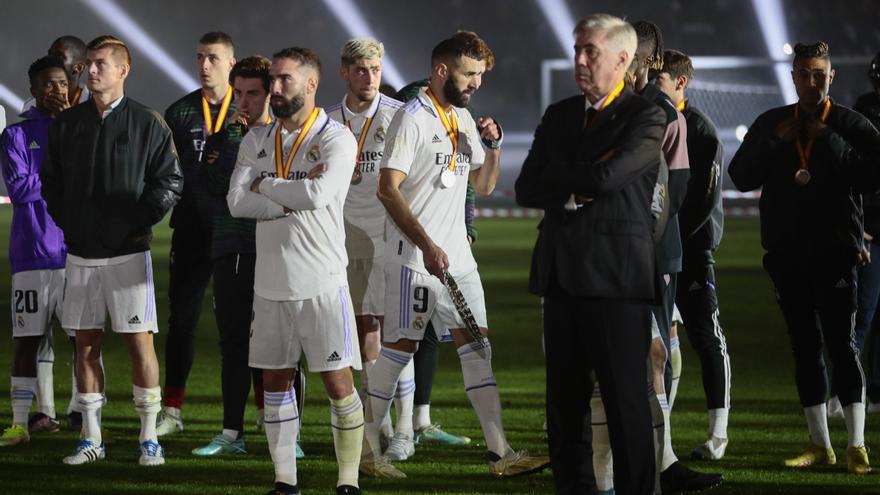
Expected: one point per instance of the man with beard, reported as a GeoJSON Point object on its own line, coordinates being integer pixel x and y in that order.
{"type": "Point", "coordinates": [293, 176]}
{"type": "Point", "coordinates": [193, 118]}
{"type": "Point", "coordinates": [433, 147]}
{"type": "Point", "coordinates": [233, 254]}
{"type": "Point", "coordinates": [367, 114]}
{"type": "Point", "coordinates": [811, 160]}
{"type": "Point", "coordinates": [72, 51]}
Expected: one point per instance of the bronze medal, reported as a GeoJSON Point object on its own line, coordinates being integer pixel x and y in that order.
{"type": "Point", "coordinates": [357, 177]}
{"type": "Point", "coordinates": [802, 177]}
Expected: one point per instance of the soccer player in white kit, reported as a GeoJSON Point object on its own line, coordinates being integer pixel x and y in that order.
{"type": "Point", "coordinates": [367, 113]}
{"type": "Point", "coordinates": [293, 176]}
{"type": "Point", "coordinates": [433, 148]}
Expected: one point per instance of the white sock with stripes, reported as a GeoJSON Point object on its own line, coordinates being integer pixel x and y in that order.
{"type": "Point", "coordinates": [22, 392]}
{"type": "Point", "coordinates": [90, 404]}
{"type": "Point", "coordinates": [668, 454]}
{"type": "Point", "coordinates": [386, 428]}
{"type": "Point", "coordinates": [403, 400]}
{"type": "Point", "coordinates": [281, 425]}
{"type": "Point", "coordinates": [383, 382]}
{"type": "Point", "coordinates": [482, 390]}
{"type": "Point", "coordinates": [45, 379]}
{"type": "Point", "coordinates": [347, 423]}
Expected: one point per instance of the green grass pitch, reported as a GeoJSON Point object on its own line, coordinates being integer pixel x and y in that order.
{"type": "Point", "coordinates": [766, 422]}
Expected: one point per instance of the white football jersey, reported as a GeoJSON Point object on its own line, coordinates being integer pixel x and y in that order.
{"type": "Point", "coordinates": [364, 214]}
{"type": "Point", "coordinates": [418, 145]}
{"type": "Point", "coordinates": [301, 254]}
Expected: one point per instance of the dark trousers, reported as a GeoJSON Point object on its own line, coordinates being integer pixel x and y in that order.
{"type": "Point", "coordinates": [698, 303]}
{"type": "Point", "coordinates": [817, 297]}
{"type": "Point", "coordinates": [868, 323]}
{"type": "Point", "coordinates": [425, 363]}
{"type": "Point", "coordinates": [611, 338]}
{"type": "Point", "coordinates": [233, 307]}
{"type": "Point", "coordinates": [663, 315]}
{"type": "Point", "coordinates": [190, 272]}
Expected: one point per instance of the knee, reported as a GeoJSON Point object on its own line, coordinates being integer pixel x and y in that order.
{"type": "Point", "coordinates": [658, 354]}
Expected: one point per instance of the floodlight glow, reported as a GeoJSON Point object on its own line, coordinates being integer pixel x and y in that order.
{"type": "Point", "coordinates": [787, 49]}
{"type": "Point", "coordinates": [349, 16]}
{"type": "Point", "coordinates": [113, 15]}
{"type": "Point", "coordinates": [561, 21]}
{"type": "Point", "coordinates": [769, 14]}
{"type": "Point", "coordinates": [741, 131]}
{"type": "Point", "coordinates": [15, 103]}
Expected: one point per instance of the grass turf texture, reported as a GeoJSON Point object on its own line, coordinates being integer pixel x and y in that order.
{"type": "Point", "coordinates": [766, 422]}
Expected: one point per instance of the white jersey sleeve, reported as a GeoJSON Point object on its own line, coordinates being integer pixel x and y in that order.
{"type": "Point", "coordinates": [242, 202]}
{"type": "Point", "coordinates": [403, 144]}
{"type": "Point", "coordinates": [311, 194]}
{"type": "Point", "coordinates": [478, 154]}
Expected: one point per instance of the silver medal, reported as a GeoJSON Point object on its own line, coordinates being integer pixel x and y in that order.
{"type": "Point", "coordinates": [356, 177]}
{"type": "Point", "coordinates": [447, 178]}
{"type": "Point", "coordinates": [802, 177]}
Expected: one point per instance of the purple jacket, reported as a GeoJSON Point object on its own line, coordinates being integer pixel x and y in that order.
{"type": "Point", "coordinates": [35, 243]}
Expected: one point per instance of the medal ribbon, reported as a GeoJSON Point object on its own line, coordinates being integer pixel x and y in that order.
{"type": "Point", "coordinates": [804, 152]}
{"type": "Point", "coordinates": [608, 100]}
{"type": "Point", "coordinates": [75, 100]}
{"type": "Point", "coordinates": [364, 131]}
{"type": "Point", "coordinates": [210, 126]}
{"type": "Point", "coordinates": [451, 126]}
{"type": "Point", "coordinates": [282, 167]}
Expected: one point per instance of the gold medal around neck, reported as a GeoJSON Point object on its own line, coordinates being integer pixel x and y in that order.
{"type": "Point", "coordinates": [802, 177]}
{"type": "Point", "coordinates": [356, 177]}
{"type": "Point", "coordinates": [447, 178]}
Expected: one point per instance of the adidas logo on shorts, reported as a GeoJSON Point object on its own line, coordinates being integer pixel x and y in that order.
{"type": "Point", "coordinates": [134, 320]}
{"type": "Point", "coordinates": [261, 154]}
{"type": "Point", "coordinates": [334, 357]}
{"type": "Point", "coordinates": [436, 139]}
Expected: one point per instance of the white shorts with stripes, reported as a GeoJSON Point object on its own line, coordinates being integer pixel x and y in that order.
{"type": "Point", "coordinates": [37, 296]}
{"type": "Point", "coordinates": [412, 299]}
{"type": "Point", "coordinates": [122, 287]}
{"type": "Point", "coordinates": [321, 328]}
{"type": "Point", "coordinates": [366, 282]}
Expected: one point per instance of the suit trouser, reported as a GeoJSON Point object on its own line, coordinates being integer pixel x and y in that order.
{"type": "Point", "coordinates": [818, 301]}
{"type": "Point", "coordinates": [663, 315]}
{"type": "Point", "coordinates": [610, 337]}
{"type": "Point", "coordinates": [191, 267]}
{"type": "Point", "coordinates": [233, 308]}
{"type": "Point", "coordinates": [698, 303]}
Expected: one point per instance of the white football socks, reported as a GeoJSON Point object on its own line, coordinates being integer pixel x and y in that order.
{"type": "Point", "coordinates": [90, 404]}
{"type": "Point", "coordinates": [817, 424]}
{"type": "Point", "coordinates": [675, 359]}
{"type": "Point", "coordinates": [718, 422]}
{"type": "Point", "coordinates": [854, 416]}
{"type": "Point", "coordinates": [479, 383]}
{"type": "Point", "coordinates": [669, 456]}
{"type": "Point", "coordinates": [22, 392]}
{"type": "Point", "coordinates": [421, 416]}
{"type": "Point", "coordinates": [380, 392]}
{"type": "Point", "coordinates": [347, 423]}
{"type": "Point", "coordinates": [403, 400]}
{"type": "Point", "coordinates": [148, 403]}
{"type": "Point", "coordinates": [282, 425]}
{"type": "Point", "coordinates": [45, 379]}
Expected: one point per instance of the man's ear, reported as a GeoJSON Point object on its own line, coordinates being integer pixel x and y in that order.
{"type": "Point", "coordinates": [681, 82]}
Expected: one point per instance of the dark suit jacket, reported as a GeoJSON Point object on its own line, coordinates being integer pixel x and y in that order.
{"type": "Point", "coordinates": [605, 248]}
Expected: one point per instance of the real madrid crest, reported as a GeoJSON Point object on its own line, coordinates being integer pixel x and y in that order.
{"type": "Point", "coordinates": [379, 136]}
{"type": "Point", "coordinates": [314, 154]}
{"type": "Point", "coordinates": [418, 324]}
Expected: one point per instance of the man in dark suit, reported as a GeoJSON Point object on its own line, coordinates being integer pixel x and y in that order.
{"type": "Point", "coordinates": [592, 169]}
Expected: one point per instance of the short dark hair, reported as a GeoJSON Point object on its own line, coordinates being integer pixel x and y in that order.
{"type": "Point", "coordinates": [677, 64]}
{"type": "Point", "coordinates": [256, 67]}
{"type": "Point", "coordinates": [217, 38]}
{"type": "Point", "coordinates": [648, 32]}
{"type": "Point", "coordinates": [463, 44]}
{"type": "Point", "coordinates": [116, 45]}
{"type": "Point", "coordinates": [41, 64]}
{"type": "Point", "coordinates": [818, 49]}
{"type": "Point", "coordinates": [76, 46]}
{"type": "Point", "coordinates": [304, 56]}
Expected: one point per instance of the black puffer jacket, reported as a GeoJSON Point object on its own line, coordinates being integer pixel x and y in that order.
{"type": "Point", "coordinates": [869, 106]}
{"type": "Point", "coordinates": [107, 182]}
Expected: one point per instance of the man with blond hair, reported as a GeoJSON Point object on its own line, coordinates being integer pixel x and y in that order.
{"type": "Point", "coordinates": [106, 217]}
{"type": "Point", "coordinates": [592, 168]}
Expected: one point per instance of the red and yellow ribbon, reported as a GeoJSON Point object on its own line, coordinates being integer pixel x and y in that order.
{"type": "Point", "coordinates": [75, 100]}
{"type": "Point", "coordinates": [363, 137]}
{"type": "Point", "coordinates": [210, 126]}
{"type": "Point", "coordinates": [450, 124]}
{"type": "Point", "coordinates": [609, 99]}
{"type": "Point", "coordinates": [282, 167]}
{"type": "Point", "coordinates": [804, 152]}
{"type": "Point", "coordinates": [681, 104]}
